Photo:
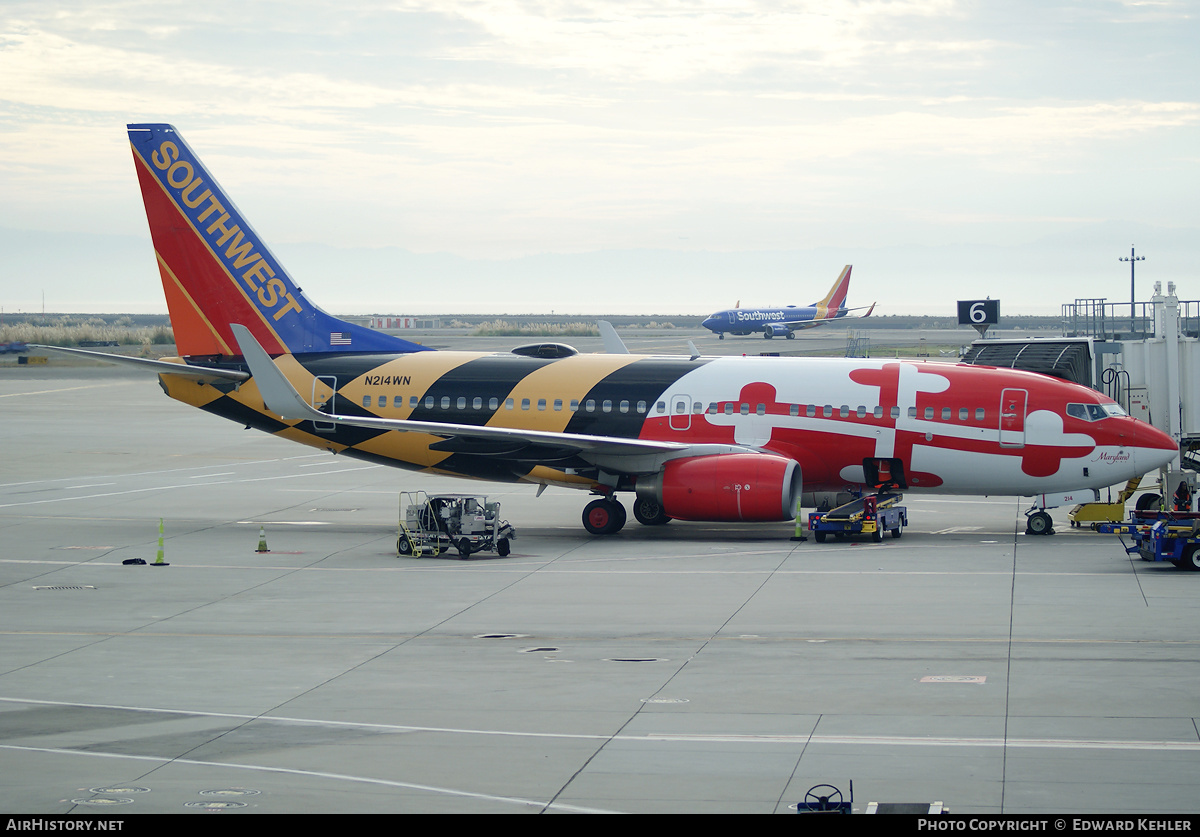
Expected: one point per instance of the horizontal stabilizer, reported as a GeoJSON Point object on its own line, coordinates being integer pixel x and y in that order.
{"type": "Point", "coordinates": [202, 373]}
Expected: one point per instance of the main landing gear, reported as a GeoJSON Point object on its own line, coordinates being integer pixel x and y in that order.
{"type": "Point", "coordinates": [606, 515]}
{"type": "Point", "coordinates": [649, 513]}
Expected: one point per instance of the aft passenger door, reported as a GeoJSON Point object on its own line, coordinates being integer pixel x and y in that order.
{"type": "Point", "coordinates": [1013, 403]}
{"type": "Point", "coordinates": [324, 393]}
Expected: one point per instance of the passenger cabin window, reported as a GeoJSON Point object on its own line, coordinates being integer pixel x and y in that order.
{"type": "Point", "coordinates": [366, 401]}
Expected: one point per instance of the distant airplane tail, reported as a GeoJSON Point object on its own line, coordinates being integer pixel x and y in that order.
{"type": "Point", "coordinates": [217, 271]}
{"type": "Point", "coordinates": [834, 303]}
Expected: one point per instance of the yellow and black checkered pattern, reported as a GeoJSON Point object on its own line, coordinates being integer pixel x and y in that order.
{"type": "Point", "coordinates": [445, 387]}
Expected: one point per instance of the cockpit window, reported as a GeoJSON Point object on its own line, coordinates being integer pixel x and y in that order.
{"type": "Point", "coordinates": [1115, 410]}
{"type": "Point", "coordinates": [1092, 412]}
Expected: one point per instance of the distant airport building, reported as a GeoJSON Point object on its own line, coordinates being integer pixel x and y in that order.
{"type": "Point", "coordinates": [405, 322]}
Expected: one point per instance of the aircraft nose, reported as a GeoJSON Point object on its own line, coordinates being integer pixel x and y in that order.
{"type": "Point", "coordinates": [1154, 447]}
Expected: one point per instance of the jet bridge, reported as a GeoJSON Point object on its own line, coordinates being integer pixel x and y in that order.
{"type": "Point", "coordinates": [1152, 369]}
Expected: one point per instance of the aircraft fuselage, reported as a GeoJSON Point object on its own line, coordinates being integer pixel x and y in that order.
{"type": "Point", "coordinates": [948, 428]}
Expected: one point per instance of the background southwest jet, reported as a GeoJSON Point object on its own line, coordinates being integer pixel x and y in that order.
{"type": "Point", "coordinates": [728, 438]}
{"type": "Point", "coordinates": [783, 322]}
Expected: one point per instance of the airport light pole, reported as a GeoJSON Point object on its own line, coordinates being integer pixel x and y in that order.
{"type": "Point", "coordinates": [1131, 259]}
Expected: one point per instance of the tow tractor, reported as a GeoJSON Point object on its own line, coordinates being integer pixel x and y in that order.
{"type": "Point", "coordinates": [870, 515]}
{"type": "Point", "coordinates": [430, 525]}
{"type": "Point", "coordinates": [1161, 536]}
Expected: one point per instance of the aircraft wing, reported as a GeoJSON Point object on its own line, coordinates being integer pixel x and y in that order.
{"type": "Point", "coordinates": [202, 373]}
{"type": "Point", "coordinates": [282, 399]}
{"type": "Point", "coordinates": [816, 322]}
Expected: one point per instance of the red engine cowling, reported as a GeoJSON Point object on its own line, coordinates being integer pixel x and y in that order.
{"type": "Point", "coordinates": [727, 486]}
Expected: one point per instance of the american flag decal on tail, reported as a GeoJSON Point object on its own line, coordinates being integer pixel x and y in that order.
{"type": "Point", "coordinates": [338, 338]}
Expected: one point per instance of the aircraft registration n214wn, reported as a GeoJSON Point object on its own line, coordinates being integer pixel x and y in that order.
{"type": "Point", "coordinates": [784, 322]}
{"type": "Point", "coordinates": [695, 438]}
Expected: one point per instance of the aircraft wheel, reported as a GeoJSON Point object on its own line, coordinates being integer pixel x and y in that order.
{"type": "Point", "coordinates": [791, 335]}
{"type": "Point", "coordinates": [464, 548]}
{"type": "Point", "coordinates": [603, 516]}
{"type": "Point", "coordinates": [1039, 524]}
{"type": "Point", "coordinates": [404, 546]}
{"type": "Point", "coordinates": [721, 336]}
{"type": "Point", "coordinates": [502, 547]}
{"type": "Point", "coordinates": [649, 513]}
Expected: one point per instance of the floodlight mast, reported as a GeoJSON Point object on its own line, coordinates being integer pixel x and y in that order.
{"type": "Point", "coordinates": [1131, 259]}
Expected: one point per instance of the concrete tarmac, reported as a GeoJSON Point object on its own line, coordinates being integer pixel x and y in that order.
{"type": "Point", "coordinates": [686, 668]}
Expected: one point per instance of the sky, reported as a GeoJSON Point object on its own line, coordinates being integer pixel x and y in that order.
{"type": "Point", "coordinates": [593, 157]}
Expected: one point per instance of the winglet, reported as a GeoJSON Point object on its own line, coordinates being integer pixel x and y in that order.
{"type": "Point", "coordinates": [278, 394]}
{"type": "Point", "coordinates": [613, 344]}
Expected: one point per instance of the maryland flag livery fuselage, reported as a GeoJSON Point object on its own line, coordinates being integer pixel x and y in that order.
{"type": "Point", "coordinates": [729, 438]}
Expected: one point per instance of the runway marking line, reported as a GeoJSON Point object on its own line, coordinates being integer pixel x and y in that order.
{"type": "Point", "coordinates": [732, 738]}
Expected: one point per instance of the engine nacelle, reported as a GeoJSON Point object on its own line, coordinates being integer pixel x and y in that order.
{"type": "Point", "coordinates": [727, 486]}
{"type": "Point", "coordinates": [776, 330]}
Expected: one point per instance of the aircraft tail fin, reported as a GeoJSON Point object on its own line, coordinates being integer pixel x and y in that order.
{"type": "Point", "coordinates": [834, 303]}
{"type": "Point", "coordinates": [216, 270]}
